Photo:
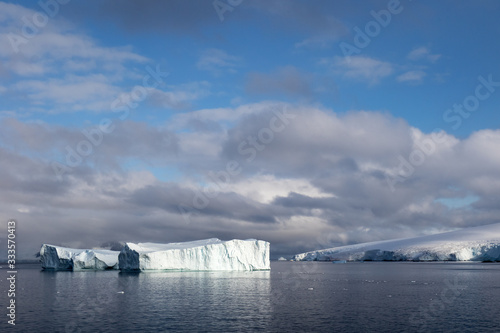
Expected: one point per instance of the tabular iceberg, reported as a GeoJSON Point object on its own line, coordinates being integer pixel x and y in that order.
{"type": "Point", "coordinates": [203, 255]}
{"type": "Point", "coordinates": [66, 259]}
{"type": "Point", "coordinates": [468, 244]}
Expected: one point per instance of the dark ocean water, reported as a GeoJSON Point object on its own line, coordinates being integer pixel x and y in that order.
{"type": "Point", "coordinates": [292, 297]}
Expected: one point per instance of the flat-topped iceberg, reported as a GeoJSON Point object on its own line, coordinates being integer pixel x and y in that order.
{"type": "Point", "coordinates": [468, 244]}
{"type": "Point", "coordinates": [67, 259]}
{"type": "Point", "coordinates": [203, 255]}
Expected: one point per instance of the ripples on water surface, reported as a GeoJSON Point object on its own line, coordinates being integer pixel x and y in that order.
{"type": "Point", "coordinates": [292, 297]}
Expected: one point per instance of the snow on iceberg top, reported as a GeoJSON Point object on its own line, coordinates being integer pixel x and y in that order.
{"type": "Point", "coordinates": [464, 244]}
{"type": "Point", "coordinates": [155, 247]}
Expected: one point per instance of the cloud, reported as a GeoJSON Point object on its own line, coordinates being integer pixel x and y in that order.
{"type": "Point", "coordinates": [265, 188]}
{"type": "Point", "coordinates": [327, 31]}
{"type": "Point", "coordinates": [127, 141]}
{"type": "Point", "coordinates": [74, 93]}
{"type": "Point", "coordinates": [308, 177]}
{"type": "Point", "coordinates": [179, 97]}
{"type": "Point", "coordinates": [360, 68]}
{"type": "Point", "coordinates": [457, 202]}
{"type": "Point", "coordinates": [99, 93]}
{"type": "Point", "coordinates": [423, 53]}
{"type": "Point", "coordinates": [158, 17]}
{"type": "Point", "coordinates": [220, 118]}
{"type": "Point", "coordinates": [315, 141]}
{"type": "Point", "coordinates": [319, 28]}
{"type": "Point", "coordinates": [320, 181]}
{"type": "Point", "coordinates": [58, 69]}
{"type": "Point", "coordinates": [170, 197]}
{"type": "Point", "coordinates": [217, 62]}
{"type": "Point", "coordinates": [289, 82]}
{"type": "Point", "coordinates": [56, 45]}
{"type": "Point", "coordinates": [191, 18]}
{"type": "Point", "coordinates": [412, 76]}
{"type": "Point", "coordinates": [286, 80]}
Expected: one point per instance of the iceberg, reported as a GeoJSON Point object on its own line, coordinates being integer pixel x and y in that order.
{"type": "Point", "coordinates": [66, 259]}
{"type": "Point", "coordinates": [202, 255]}
{"type": "Point", "coordinates": [468, 244]}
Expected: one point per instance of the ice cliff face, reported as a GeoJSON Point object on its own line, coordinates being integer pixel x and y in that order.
{"type": "Point", "coordinates": [64, 259]}
{"type": "Point", "coordinates": [204, 255]}
{"type": "Point", "coordinates": [469, 244]}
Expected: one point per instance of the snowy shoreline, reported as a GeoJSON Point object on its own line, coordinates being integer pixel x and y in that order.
{"type": "Point", "coordinates": [468, 244]}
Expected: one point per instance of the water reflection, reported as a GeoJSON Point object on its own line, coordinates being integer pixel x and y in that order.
{"type": "Point", "coordinates": [294, 296]}
{"type": "Point", "coordinates": [161, 301]}
{"type": "Point", "coordinates": [204, 300]}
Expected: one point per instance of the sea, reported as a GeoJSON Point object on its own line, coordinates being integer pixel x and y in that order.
{"type": "Point", "coordinates": [291, 297]}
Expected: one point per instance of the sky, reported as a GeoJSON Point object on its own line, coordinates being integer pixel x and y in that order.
{"type": "Point", "coordinates": [308, 124]}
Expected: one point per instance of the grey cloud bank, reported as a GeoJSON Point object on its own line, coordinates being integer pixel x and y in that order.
{"type": "Point", "coordinates": [330, 168]}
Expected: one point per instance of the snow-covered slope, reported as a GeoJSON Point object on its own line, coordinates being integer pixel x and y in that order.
{"type": "Point", "coordinates": [63, 258]}
{"type": "Point", "coordinates": [469, 244]}
{"type": "Point", "coordinates": [203, 255]}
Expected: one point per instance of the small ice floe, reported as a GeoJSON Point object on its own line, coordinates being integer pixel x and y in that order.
{"type": "Point", "coordinates": [413, 281]}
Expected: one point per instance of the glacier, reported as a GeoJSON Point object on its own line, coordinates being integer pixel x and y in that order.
{"type": "Point", "coordinates": [66, 259]}
{"type": "Point", "coordinates": [469, 244]}
{"type": "Point", "coordinates": [202, 255]}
